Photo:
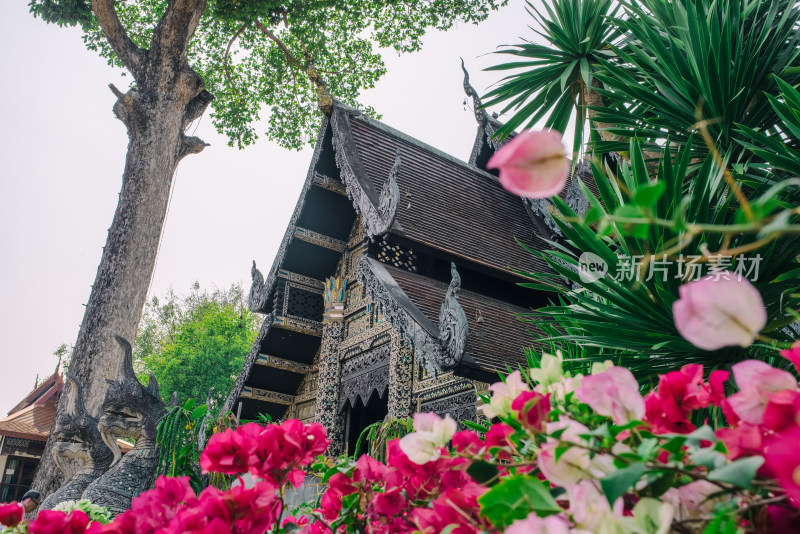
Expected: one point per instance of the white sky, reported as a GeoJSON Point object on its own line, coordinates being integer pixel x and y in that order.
{"type": "Point", "coordinates": [62, 154]}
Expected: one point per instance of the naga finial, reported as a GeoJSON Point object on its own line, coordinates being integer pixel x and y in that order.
{"type": "Point", "coordinates": [480, 114]}
{"type": "Point", "coordinates": [453, 325]}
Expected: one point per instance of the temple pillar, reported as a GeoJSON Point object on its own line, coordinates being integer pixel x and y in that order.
{"type": "Point", "coordinates": [328, 383]}
{"type": "Point", "coordinates": [400, 377]}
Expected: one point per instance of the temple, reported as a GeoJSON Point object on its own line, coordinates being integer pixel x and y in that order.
{"type": "Point", "coordinates": [23, 434]}
{"type": "Point", "coordinates": [395, 288]}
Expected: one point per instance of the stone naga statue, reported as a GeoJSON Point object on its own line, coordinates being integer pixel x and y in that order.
{"type": "Point", "coordinates": [78, 449]}
{"type": "Point", "coordinates": [131, 411]}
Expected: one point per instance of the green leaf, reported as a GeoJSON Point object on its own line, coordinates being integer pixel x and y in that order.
{"type": "Point", "coordinates": [707, 457]}
{"type": "Point", "coordinates": [199, 412]}
{"type": "Point", "coordinates": [515, 498]}
{"type": "Point", "coordinates": [649, 194]}
{"type": "Point", "coordinates": [483, 472]}
{"type": "Point", "coordinates": [475, 426]}
{"type": "Point", "coordinates": [739, 473]}
{"type": "Point", "coordinates": [704, 433]}
{"type": "Point", "coordinates": [620, 481]}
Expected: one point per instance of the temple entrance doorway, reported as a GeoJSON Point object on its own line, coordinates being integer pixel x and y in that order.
{"type": "Point", "coordinates": [360, 416]}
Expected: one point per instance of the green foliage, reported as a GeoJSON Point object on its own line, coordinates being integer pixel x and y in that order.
{"type": "Point", "coordinates": [64, 355]}
{"type": "Point", "coordinates": [95, 512]}
{"type": "Point", "coordinates": [780, 147]}
{"type": "Point", "coordinates": [630, 321]}
{"type": "Point", "coordinates": [739, 473]}
{"type": "Point", "coordinates": [177, 442]}
{"type": "Point", "coordinates": [660, 67]}
{"type": "Point", "coordinates": [252, 77]}
{"type": "Point", "coordinates": [621, 481]}
{"type": "Point", "coordinates": [195, 343]}
{"type": "Point", "coordinates": [378, 434]}
{"type": "Point", "coordinates": [63, 12]}
{"type": "Point", "coordinates": [515, 498]}
{"type": "Point", "coordinates": [555, 76]}
{"type": "Point", "coordinates": [698, 60]}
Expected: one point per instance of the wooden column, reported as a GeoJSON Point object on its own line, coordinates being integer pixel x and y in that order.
{"type": "Point", "coordinates": [328, 383]}
{"type": "Point", "coordinates": [400, 378]}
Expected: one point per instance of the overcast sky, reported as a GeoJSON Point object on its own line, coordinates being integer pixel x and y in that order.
{"type": "Point", "coordinates": [62, 154]}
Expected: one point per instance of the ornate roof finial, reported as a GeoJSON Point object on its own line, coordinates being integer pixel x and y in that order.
{"type": "Point", "coordinates": [480, 114]}
{"type": "Point", "coordinates": [453, 325]}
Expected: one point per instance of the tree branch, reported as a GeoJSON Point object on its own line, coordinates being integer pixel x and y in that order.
{"type": "Point", "coordinates": [285, 49]}
{"type": "Point", "coordinates": [225, 67]}
{"type": "Point", "coordinates": [172, 35]}
{"type": "Point", "coordinates": [131, 55]}
{"type": "Point", "coordinates": [324, 99]}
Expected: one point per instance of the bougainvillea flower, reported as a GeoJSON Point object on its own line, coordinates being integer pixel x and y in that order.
{"type": "Point", "coordinates": [369, 470]}
{"type": "Point", "coordinates": [590, 509]}
{"type": "Point", "coordinates": [54, 522]}
{"type": "Point", "coordinates": [783, 520]}
{"type": "Point", "coordinates": [455, 510]}
{"type": "Point", "coordinates": [613, 393]}
{"type": "Point", "coordinates": [716, 312]}
{"type": "Point", "coordinates": [782, 458]}
{"type": "Point", "coordinates": [532, 164]}
{"type": "Point", "coordinates": [782, 411]}
{"type": "Point", "coordinates": [467, 442]}
{"type": "Point", "coordinates": [503, 394]}
{"type": "Point", "coordinates": [793, 355]}
{"type": "Point", "coordinates": [431, 434]}
{"type": "Point", "coordinates": [744, 440]}
{"type": "Point", "coordinates": [757, 382]}
{"type": "Point", "coordinates": [716, 387]}
{"type": "Point", "coordinates": [532, 408]}
{"type": "Point", "coordinates": [231, 452]}
{"type": "Point", "coordinates": [573, 464]}
{"type": "Point", "coordinates": [533, 524]}
{"type": "Point", "coordinates": [10, 514]}
{"type": "Point", "coordinates": [678, 394]}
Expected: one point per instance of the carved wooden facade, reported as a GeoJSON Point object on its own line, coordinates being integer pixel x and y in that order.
{"type": "Point", "coordinates": [394, 289]}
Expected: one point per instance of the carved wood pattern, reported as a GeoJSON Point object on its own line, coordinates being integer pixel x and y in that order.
{"type": "Point", "coordinates": [460, 406]}
{"type": "Point", "coordinates": [364, 373]}
{"type": "Point", "coordinates": [401, 379]}
{"type": "Point", "coordinates": [438, 352]}
{"type": "Point", "coordinates": [268, 396]}
{"type": "Point", "coordinates": [377, 220]}
{"type": "Point", "coordinates": [330, 368]}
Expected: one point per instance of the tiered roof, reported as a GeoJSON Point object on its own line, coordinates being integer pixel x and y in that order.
{"type": "Point", "coordinates": [459, 301]}
{"type": "Point", "coordinates": [32, 417]}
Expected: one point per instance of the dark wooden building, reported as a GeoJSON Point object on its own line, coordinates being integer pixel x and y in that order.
{"type": "Point", "coordinates": [395, 287]}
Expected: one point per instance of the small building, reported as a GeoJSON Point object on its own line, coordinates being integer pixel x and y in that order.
{"type": "Point", "coordinates": [396, 287]}
{"type": "Point", "coordinates": [23, 434]}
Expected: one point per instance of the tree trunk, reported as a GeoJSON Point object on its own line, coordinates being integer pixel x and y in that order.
{"type": "Point", "coordinates": [168, 96]}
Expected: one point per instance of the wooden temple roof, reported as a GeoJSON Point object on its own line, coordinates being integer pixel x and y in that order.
{"type": "Point", "coordinates": [32, 417]}
{"type": "Point", "coordinates": [463, 226]}
{"type": "Point", "coordinates": [447, 204]}
{"type": "Point", "coordinates": [496, 338]}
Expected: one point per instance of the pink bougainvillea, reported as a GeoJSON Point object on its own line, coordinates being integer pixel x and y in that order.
{"type": "Point", "coordinates": [613, 393]}
{"type": "Point", "coordinates": [10, 514]}
{"type": "Point", "coordinates": [532, 164]}
{"type": "Point", "coordinates": [719, 311]}
{"type": "Point", "coordinates": [544, 467]}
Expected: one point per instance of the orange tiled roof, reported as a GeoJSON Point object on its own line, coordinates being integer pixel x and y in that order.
{"type": "Point", "coordinates": [46, 390]}
{"type": "Point", "coordinates": [33, 416]}
{"type": "Point", "coordinates": [32, 423]}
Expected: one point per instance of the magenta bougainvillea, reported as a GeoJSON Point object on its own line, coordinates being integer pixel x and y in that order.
{"type": "Point", "coordinates": [565, 454]}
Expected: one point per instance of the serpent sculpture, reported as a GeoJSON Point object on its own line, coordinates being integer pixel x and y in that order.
{"type": "Point", "coordinates": [78, 449]}
{"type": "Point", "coordinates": [130, 411]}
